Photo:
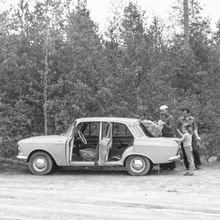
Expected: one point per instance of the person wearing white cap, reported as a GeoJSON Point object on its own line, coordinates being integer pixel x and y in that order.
{"type": "Point", "coordinates": [168, 130]}
{"type": "Point", "coordinates": [166, 122]}
{"type": "Point", "coordinates": [163, 107]}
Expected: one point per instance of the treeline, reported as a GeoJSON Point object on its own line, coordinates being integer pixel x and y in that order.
{"type": "Point", "coordinates": [135, 66]}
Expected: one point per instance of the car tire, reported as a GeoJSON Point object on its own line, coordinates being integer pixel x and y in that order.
{"type": "Point", "coordinates": [40, 163]}
{"type": "Point", "coordinates": [138, 165]}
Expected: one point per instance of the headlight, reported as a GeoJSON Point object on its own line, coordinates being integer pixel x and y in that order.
{"type": "Point", "coordinates": [19, 151]}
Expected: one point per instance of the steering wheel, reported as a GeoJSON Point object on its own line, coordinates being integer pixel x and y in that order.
{"type": "Point", "coordinates": [82, 138]}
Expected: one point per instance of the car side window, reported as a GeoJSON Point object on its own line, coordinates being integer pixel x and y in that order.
{"type": "Point", "coordinates": [94, 128]}
{"type": "Point", "coordinates": [90, 129]}
{"type": "Point", "coordinates": [120, 130]}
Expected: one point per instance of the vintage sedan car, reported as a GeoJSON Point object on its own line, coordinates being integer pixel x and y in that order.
{"type": "Point", "coordinates": [99, 141]}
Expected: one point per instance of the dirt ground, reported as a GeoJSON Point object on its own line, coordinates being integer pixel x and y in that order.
{"type": "Point", "coordinates": [82, 194]}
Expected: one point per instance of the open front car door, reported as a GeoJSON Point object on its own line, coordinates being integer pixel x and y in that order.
{"type": "Point", "coordinates": [69, 145]}
{"type": "Point", "coordinates": [105, 143]}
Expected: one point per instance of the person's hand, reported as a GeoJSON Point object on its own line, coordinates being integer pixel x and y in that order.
{"type": "Point", "coordinates": [198, 138]}
{"type": "Point", "coordinates": [176, 139]}
{"type": "Point", "coordinates": [160, 122]}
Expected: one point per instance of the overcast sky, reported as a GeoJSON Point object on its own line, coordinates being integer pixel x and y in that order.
{"type": "Point", "coordinates": [101, 9]}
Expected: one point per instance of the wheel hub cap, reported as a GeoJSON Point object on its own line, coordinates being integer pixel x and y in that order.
{"type": "Point", "coordinates": [40, 164]}
{"type": "Point", "coordinates": [137, 165]}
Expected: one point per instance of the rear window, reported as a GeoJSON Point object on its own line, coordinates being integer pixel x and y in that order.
{"type": "Point", "coordinates": [120, 130]}
{"type": "Point", "coordinates": [141, 129]}
{"type": "Point", "coordinates": [151, 128]}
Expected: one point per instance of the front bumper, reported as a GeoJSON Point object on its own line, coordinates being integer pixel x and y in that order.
{"type": "Point", "coordinates": [22, 157]}
{"type": "Point", "coordinates": [174, 158]}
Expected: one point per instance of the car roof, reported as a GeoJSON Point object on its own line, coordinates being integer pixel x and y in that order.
{"type": "Point", "coordinates": [109, 119]}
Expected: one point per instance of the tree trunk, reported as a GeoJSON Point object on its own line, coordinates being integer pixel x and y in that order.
{"type": "Point", "coordinates": [186, 25]}
{"type": "Point", "coordinates": [45, 76]}
{"type": "Point", "coordinates": [45, 92]}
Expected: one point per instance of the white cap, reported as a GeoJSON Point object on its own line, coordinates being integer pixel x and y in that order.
{"type": "Point", "coordinates": [163, 107]}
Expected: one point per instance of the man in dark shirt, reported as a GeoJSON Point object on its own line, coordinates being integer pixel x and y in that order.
{"type": "Point", "coordinates": [185, 119]}
{"type": "Point", "coordinates": [168, 130]}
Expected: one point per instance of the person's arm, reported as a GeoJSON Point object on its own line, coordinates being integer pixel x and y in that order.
{"type": "Point", "coordinates": [196, 134]}
{"type": "Point", "coordinates": [196, 130]}
{"type": "Point", "coordinates": [179, 132]}
{"type": "Point", "coordinates": [170, 124]}
{"type": "Point", "coordinates": [179, 127]}
{"type": "Point", "coordinates": [181, 140]}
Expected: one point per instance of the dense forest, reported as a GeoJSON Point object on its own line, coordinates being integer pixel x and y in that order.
{"type": "Point", "coordinates": [55, 64]}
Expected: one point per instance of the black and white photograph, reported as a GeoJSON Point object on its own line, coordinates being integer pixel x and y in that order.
{"type": "Point", "coordinates": [109, 110]}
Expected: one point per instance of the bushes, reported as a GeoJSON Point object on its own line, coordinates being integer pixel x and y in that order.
{"type": "Point", "coordinates": [8, 148]}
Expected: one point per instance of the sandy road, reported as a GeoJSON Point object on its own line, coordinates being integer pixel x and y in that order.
{"type": "Point", "coordinates": [99, 195]}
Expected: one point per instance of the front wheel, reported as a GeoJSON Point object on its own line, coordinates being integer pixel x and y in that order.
{"type": "Point", "coordinates": [138, 165]}
{"type": "Point", "coordinates": [40, 163]}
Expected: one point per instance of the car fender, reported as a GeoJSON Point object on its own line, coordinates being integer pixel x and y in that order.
{"type": "Point", "coordinates": [40, 150]}
{"type": "Point", "coordinates": [55, 146]}
{"type": "Point", "coordinates": [130, 152]}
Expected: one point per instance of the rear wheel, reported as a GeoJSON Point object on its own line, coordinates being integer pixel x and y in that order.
{"type": "Point", "coordinates": [40, 163]}
{"type": "Point", "coordinates": [138, 165]}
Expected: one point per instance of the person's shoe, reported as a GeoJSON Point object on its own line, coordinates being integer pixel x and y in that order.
{"type": "Point", "coordinates": [188, 174]}
{"type": "Point", "coordinates": [197, 168]}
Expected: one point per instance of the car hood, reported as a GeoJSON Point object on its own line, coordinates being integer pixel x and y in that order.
{"type": "Point", "coordinates": [44, 139]}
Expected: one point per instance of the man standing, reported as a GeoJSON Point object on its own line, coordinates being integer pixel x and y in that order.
{"type": "Point", "coordinates": [167, 122]}
{"type": "Point", "coordinates": [168, 130]}
{"type": "Point", "coordinates": [187, 119]}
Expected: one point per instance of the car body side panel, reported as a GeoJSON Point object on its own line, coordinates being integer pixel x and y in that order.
{"type": "Point", "coordinates": [158, 150]}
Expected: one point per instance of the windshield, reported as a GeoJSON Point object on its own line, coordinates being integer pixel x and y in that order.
{"type": "Point", "coordinates": [68, 131]}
